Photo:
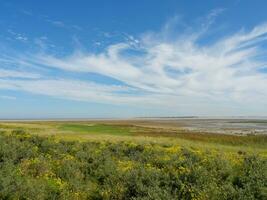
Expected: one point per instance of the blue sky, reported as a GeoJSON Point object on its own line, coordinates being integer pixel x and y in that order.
{"type": "Point", "coordinates": [79, 59]}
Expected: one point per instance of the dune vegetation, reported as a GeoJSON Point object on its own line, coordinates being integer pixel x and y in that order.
{"type": "Point", "coordinates": [60, 160]}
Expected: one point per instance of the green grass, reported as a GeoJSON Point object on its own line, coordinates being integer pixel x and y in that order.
{"type": "Point", "coordinates": [232, 140]}
{"type": "Point", "coordinates": [97, 129]}
{"type": "Point", "coordinates": [127, 131]}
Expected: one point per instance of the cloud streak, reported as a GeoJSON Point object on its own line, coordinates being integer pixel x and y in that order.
{"type": "Point", "coordinates": [4, 73]}
{"type": "Point", "coordinates": [153, 70]}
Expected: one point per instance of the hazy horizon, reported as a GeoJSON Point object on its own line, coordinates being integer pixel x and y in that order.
{"type": "Point", "coordinates": [133, 118]}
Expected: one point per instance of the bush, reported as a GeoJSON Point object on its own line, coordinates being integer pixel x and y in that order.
{"type": "Point", "coordinates": [32, 167]}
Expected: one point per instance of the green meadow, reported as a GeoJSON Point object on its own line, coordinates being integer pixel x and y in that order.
{"type": "Point", "coordinates": [130, 131]}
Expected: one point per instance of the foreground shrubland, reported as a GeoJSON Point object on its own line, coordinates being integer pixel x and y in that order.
{"type": "Point", "coordinates": [33, 167]}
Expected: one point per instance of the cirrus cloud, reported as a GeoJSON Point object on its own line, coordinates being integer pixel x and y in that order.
{"type": "Point", "coordinates": [156, 70]}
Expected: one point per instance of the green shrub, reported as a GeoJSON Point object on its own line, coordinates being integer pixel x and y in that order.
{"type": "Point", "coordinates": [32, 167]}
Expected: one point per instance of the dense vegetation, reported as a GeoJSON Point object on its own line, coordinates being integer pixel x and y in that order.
{"type": "Point", "coordinates": [33, 167]}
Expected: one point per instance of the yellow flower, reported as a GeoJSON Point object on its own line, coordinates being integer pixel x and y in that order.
{"type": "Point", "coordinates": [173, 149]}
{"type": "Point", "coordinates": [69, 157]}
{"type": "Point", "coordinates": [125, 165]}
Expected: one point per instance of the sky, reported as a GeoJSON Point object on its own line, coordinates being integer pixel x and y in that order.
{"type": "Point", "coordinates": [142, 58]}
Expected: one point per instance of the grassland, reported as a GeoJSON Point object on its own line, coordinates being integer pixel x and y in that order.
{"type": "Point", "coordinates": [128, 160]}
{"type": "Point", "coordinates": [139, 132]}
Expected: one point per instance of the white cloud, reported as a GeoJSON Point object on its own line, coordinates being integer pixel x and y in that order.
{"type": "Point", "coordinates": [179, 67]}
{"type": "Point", "coordinates": [26, 12]}
{"type": "Point", "coordinates": [18, 36]}
{"type": "Point", "coordinates": [4, 73]}
{"type": "Point", "coordinates": [61, 24]}
{"type": "Point", "coordinates": [58, 23]}
{"type": "Point", "coordinates": [167, 72]}
{"type": "Point", "coordinates": [8, 97]}
{"type": "Point", "coordinates": [77, 90]}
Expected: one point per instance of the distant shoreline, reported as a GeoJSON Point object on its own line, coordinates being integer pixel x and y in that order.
{"type": "Point", "coordinates": [139, 118]}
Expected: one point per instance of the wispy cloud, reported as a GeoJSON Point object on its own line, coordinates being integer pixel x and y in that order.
{"type": "Point", "coordinates": [158, 71]}
{"type": "Point", "coordinates": [4, 73]}
{"type": "Point", "coordinates": [56, 23]}
{"type": "Point", "coordinates": [8, 97]}
{"type": "Point", "coordinates": [18, 36]}
{"type": "Point", "coordinates": [26, 12]}
{"type": "Point", "coordinates": [178, 67]}
{"type": "Point", "coordinates": [76, 90]}
{"type": "Point", "coordinates": [61, 24]}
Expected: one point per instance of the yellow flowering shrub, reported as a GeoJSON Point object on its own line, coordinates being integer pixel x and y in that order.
{"type": "Point", "coordinates": [41, 168]}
